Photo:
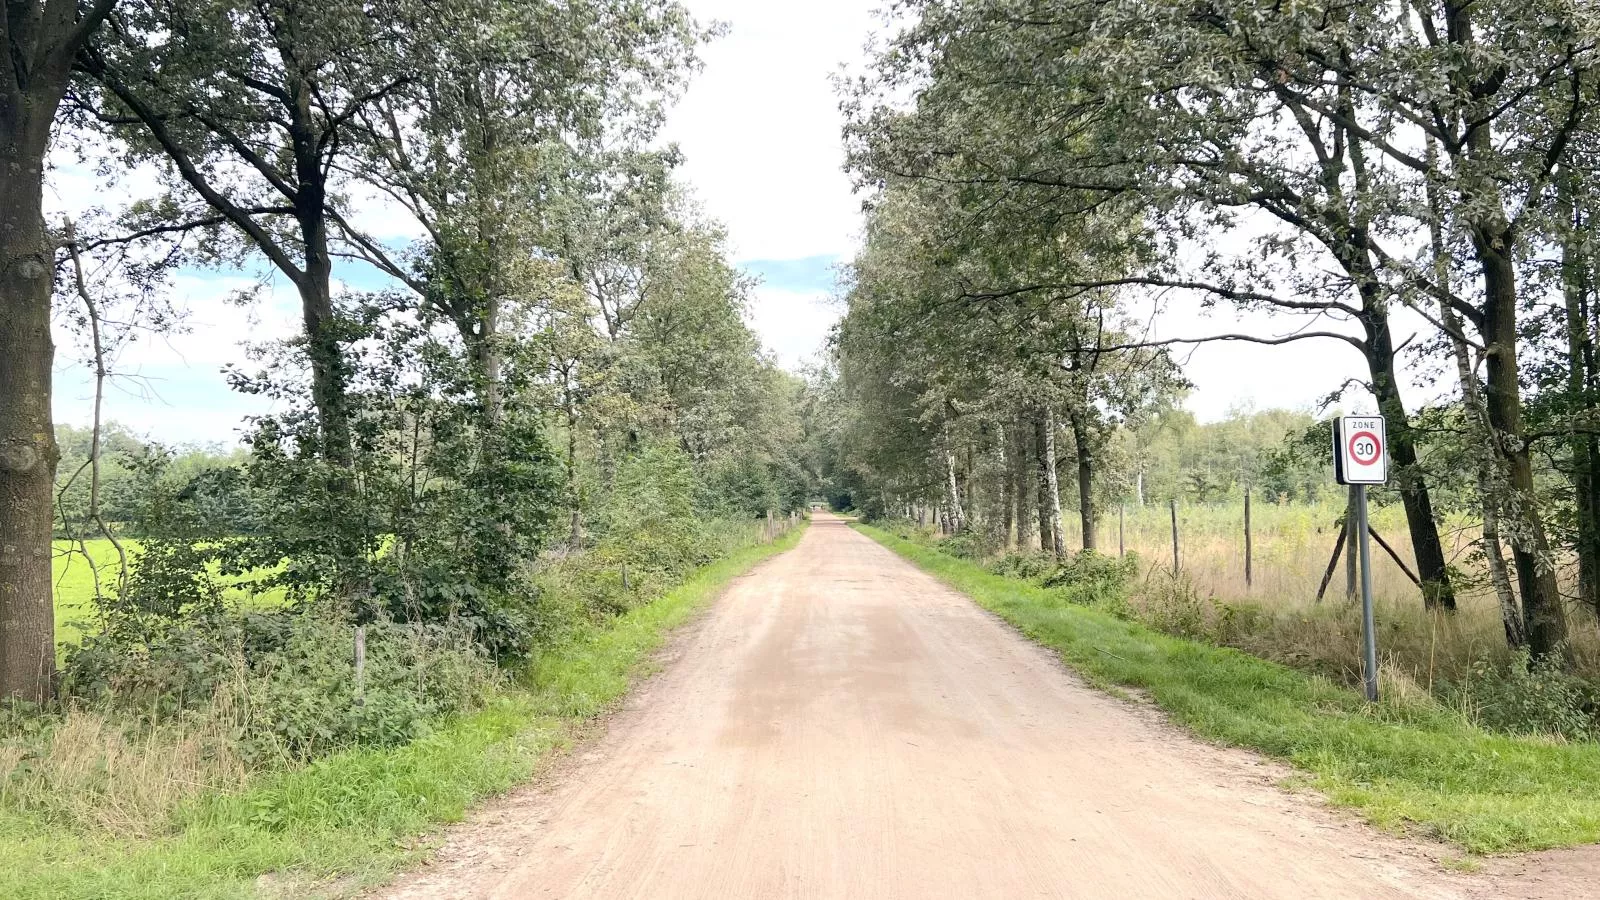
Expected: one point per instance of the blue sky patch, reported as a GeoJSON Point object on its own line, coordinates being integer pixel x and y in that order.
{"type": "Point", "coordinates": [809, 274]}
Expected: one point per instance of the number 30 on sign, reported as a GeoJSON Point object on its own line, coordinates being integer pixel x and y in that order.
{"type": "Point", "coordinates": [1360, 450]}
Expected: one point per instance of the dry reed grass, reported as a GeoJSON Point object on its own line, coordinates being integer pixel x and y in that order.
{"type": "Point", "coordinates": [91, 771]}
{"type": "Point", "coordinates": [1277, 615]}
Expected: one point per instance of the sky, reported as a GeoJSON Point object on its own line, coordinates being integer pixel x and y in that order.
{"type": "Point", "coordinates": [760, 130]}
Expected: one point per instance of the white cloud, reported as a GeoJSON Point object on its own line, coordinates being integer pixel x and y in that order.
{"type": "Point", "coordinates": [760, 126]}
{"type": "Point", "coordinates": [793, 324]}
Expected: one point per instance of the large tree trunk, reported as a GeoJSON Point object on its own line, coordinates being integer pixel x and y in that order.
{"type": "Point", "coordinates": [27, 435]}
{"type": "Point", "coordinates": [41, 40]}
{"type": "Point", "coordinates": [1542, 611]}
{"type": "Point", "coordinates": [1085, 456]}
{"type": "Point", "coordinates": [1432, 567]}
{"type": "Point", "coordinates": [1022, 492]}
{"type": "Point", "coordinates": [1484, 460]}
{"type": "Point", "coordinates": [329, 375]}
{"type": "Point", "coordinates": [1484, 464]}
{"type": "Point", "coordinates": [1052, 485]}
{"type": "Point", "coordinates": [1043, 456]}
{"type": "Point", "coordinates": [1582, 444]}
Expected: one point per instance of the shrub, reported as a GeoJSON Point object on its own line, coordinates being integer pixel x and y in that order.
{"type": "Point", "coordinates": [1172, 604]}
{"type": "Point", "coordinates": [1094, 579]}
{"type": "Point", "coordinates": [970, 545]}
{"type": "Point", "coordinates": [1033, 565]}
{"type": "Point", "coordinates": [285, 681]}
{"type": "Point", "coordinates": [1532, 698]}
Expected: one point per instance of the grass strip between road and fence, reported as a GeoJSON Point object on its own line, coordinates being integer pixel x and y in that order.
{"type": "Point", "coordinates": [349, 820]}
{"type": "Point", "coordinates": [1406, 764]}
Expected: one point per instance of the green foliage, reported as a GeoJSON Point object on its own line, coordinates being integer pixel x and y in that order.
{"type": "Point", "coordinates": [1532, 697]}
{"type": "Point", "coordinates": [357, 814]}
{"type": "Point", "coordinates": [285, 680]}
{"type": "Point", "coordinates": [1403, 764]}
{"type": "Point", "coordinates": [649, 517]}
{"type": "Point", "coordinates": [1092, 578]}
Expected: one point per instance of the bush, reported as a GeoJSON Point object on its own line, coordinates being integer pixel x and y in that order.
{"type": "Point", "coordinates": [969, 545]}
{"type": "Point", "coordinates": [1171, 604]}
{"type": "Point", "coordinates": [1532, 699]}
{"type": "Point", "coordinates": [1094, 579]}
{"type": "Point", "coordinates": [285, 681]}
{"type": "Point", "coordinates": [1032, 565]}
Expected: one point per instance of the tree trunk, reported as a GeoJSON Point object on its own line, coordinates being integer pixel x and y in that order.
{"type": "Point", "coordinates": [1582, 444]}
{"type": "Point", "coordinates": [1485, 462]}
{"type": "Point", "coordinates": [324, 341]}
{"type": "Point", "coordinates": [1542, 611]}
{"type": "Point", "coordinates": [1378, 347]}
{"type": "Point", "coordinates": [1041, 495]}
{"type": "Point", "coordinates": [1058, 543]}
{"type": "Point", "coordinates": [1085, 455]}
{"type": "Point", "coordinates": [28, 450]}
{"type": "Point", "coordinates": [487, 359]}
{"type": "Point", "coordinates": [574, 507]}
{"type": "Point", "coordinates": [1023, 490]}
{"type": "Point", "coordinates": [1008, 521]}
{"type": "Point", "coordinates": [953, 494]}
{"type": "Point", "coordinates": [1484, 473]}
{"type": "Point", "coordinates": [35, 67]}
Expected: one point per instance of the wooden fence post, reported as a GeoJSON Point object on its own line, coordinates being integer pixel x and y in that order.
{"type": "Point", "coordinates": [1248, 547]}
{"type": "Point", "coordinates": [1175, 557]}
{"type": "Point", "coordinates": [1122, 530]}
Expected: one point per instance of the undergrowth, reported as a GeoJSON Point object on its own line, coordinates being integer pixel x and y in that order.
{"type": "Point", "coordinates": [1457, 660]}
{"type": "Point", "coordinates": [99, 802]}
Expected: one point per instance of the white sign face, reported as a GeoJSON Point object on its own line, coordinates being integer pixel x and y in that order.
{"type": "Point", "coordinates": [1361, 450]}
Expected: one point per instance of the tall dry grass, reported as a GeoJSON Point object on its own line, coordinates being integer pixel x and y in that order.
{"type": "Point", "coordinates": [91, 770]}
{"type": "Point", "coordinates": [1292, 544]}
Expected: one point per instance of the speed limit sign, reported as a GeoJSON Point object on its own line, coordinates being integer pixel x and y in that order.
{"type": "Point", "coordinates": [1360, 450]}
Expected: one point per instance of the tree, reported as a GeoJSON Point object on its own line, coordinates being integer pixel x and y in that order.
{"type": "Point", "coordinates": [251, 107]}
{"type": "Point", "coordinates": [488, 148]}
{"type": "Point", "coordinates": [1217, 133]}
{"type": "Point", "coordinates": [41, 38]}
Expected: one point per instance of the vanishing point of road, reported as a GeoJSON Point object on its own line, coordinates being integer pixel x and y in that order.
{"type": "Point", "coordinates": [840, 725]}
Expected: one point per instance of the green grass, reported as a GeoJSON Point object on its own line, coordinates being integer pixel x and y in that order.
{"type": "Point", "coordinates": [1405, 765]}
{"type": "Point", "coordinates": [352, 819]}
{"type": "Point", "coordinates": [76, 611]}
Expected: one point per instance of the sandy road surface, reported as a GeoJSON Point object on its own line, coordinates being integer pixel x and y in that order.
{"type": "Point", "coordinates": [842, 726]}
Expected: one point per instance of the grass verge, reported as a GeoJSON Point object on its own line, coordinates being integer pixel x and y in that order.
{"type": "Point", "coordinates": [349, 820]}
{"type": "Point", "coordinates": [1405, 764]}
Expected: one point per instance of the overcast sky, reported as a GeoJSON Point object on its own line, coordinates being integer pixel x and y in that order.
{"type": "Point", "coordinates": [760, 128]}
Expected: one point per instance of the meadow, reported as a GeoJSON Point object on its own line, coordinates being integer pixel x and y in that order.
{"type": "Point", "coordinates": [90, 569]}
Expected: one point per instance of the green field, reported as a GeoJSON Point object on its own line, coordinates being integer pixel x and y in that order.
{"type": "Point", "coordinates": [78, 614]}
{"type": "Point", "coordinates": [76, 611]}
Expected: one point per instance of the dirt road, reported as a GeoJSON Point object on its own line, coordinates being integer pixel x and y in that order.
{"type": "Point", "coordinates": [842, 726]}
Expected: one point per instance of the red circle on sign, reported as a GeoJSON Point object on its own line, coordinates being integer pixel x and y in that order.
{"type": "Point", "coordinates": [1377, 448]}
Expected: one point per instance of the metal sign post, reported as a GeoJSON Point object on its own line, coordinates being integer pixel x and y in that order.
{"type": "Point", "coordinates": [1369, 639]}
{"type": "Point", "coordinates": [1360, 458]}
